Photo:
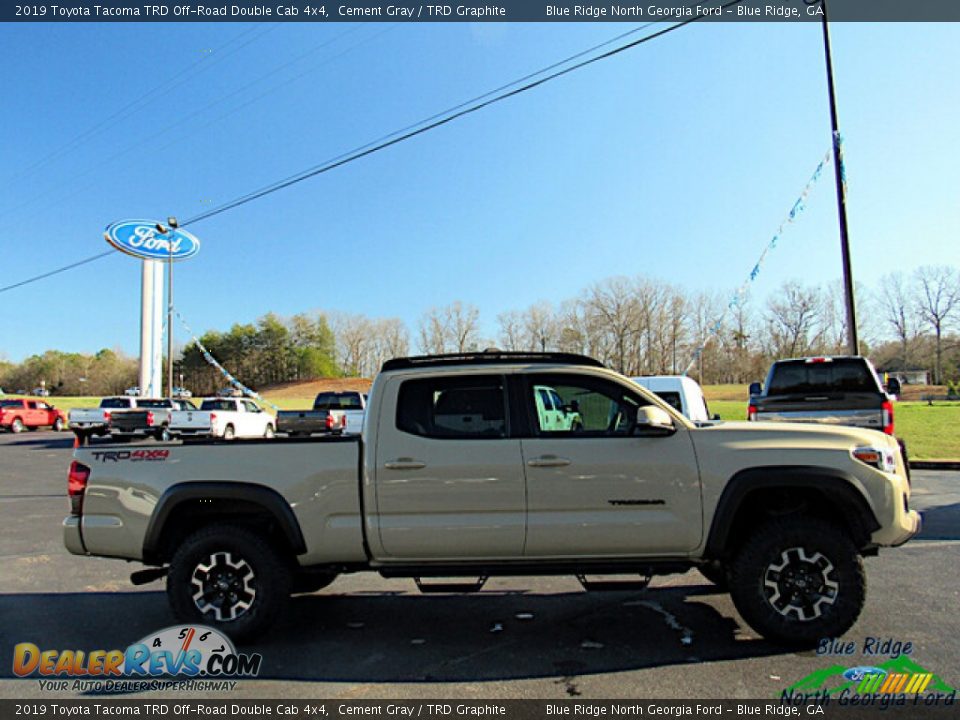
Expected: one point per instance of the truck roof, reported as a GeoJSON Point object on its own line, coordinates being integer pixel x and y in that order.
{"type": "Point", "coordinates": [489, 357]}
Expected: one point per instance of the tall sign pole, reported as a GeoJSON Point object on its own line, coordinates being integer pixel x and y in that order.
{"type": "Point", "coordinates": [155, 245]}
{"type": "Point", "coordinates": [147, 293]}
{"type": "Point", "coordinates": [853, 341]}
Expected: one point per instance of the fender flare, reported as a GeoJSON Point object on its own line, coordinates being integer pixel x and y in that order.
{"type": "Point", "coordinates": [839, 488]}
{"type": "Point", "coordinates": [174, 496]}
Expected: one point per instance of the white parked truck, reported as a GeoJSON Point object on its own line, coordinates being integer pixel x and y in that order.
{"type": "Point", "coordinates": [226, 418]}
{"type": "Point", "coordinates": [455, 475]}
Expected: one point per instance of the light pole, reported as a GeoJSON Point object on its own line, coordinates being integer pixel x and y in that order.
{"type": "Point", "coordinates": [172, 222]}
{"type": "Point", "coordinates": [853, 342]}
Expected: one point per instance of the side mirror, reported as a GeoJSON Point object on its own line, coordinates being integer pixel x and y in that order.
{"type": "Point", "coordinates": [893, 386]}
{"type": "Point", "coordinates": [716, 416]}
{"type": "Point", "coordinates": [652, 418]}
{"type": "Point", "coordinates": [756, 389]}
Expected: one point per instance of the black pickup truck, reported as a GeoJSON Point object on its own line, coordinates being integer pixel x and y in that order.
{"type": "Point", "coordinates": [839, 390]}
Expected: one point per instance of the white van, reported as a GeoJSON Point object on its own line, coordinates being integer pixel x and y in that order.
{"type": "Point", "coordinates": [679, 392]}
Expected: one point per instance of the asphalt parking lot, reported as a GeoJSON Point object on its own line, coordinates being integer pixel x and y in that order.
{"type": "Point", "coordinates": [365, 637]}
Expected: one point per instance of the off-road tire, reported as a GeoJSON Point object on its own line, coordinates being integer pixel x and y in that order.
{"type": "Point", "coordinates": [804, 555]}
{"type": "Point", "coordinates": [717, 573]}
{"type": "Point", "coordinates": [263, 580]}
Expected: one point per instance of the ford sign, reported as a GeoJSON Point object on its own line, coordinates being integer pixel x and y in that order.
{"type": "Point", "coordinates": [141, 238]}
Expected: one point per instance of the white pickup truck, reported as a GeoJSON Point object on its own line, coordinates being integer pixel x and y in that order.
{"type": "Point", "coordinates": [457, 474]}
{"type": "Point", "coordinates": [96, 421]}
{"type": "Point", "coordinates": [226, 418]}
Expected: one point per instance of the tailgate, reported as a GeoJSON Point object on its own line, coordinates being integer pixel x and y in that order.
{"type": "Point", "coordinates": [190, 420]}
{"type": "Point", "coordinates": [855, 409]}
{"type": "Point", "coordinates": [301, 420]}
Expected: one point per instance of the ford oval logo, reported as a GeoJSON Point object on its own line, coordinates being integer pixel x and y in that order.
{"type": "Point", "coordinates": [856, 674]}
{"type": "Point", "coordinates": [141, 238]}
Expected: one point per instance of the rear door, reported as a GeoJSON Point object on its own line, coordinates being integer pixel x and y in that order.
{"type": "Point", "coordinates": [603, 487]}
{"type": "Point", "coordinates": [448, 475]}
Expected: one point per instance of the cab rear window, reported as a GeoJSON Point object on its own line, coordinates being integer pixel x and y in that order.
{"type": "Point", "coordinates": [798, 378]}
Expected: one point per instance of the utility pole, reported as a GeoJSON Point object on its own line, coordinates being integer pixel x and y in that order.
{"type": "Point", "coordinates": [853, 342]}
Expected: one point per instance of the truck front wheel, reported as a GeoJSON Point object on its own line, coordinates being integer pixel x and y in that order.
{"type": "Point", "coordinates": [230, 578]}
{"type": "Point", "coordinates": [797, 580]}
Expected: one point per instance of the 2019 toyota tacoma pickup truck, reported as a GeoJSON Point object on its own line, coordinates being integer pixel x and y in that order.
{"type": "Point", "coordinates": [455, 475]}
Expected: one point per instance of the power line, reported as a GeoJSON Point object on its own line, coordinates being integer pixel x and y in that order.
{"type": "Point", "coordinates": [58, 270]}
{"type": "Point", "coordinates": [400, 135]}
{"type": "Point", "coordinates": [187, 118]}
{"type": "Point", "coordinates": [127, 109]}
{"type": "Point", "coordinates": [365, 150]}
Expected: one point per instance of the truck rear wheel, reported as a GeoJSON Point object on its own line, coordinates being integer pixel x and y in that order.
{"type": "Point", "coordinates": [230, 578]}
{"type": "Point", "coordinates": [797, 580]}
{"type": "Point", "coordinates": [16, 426]}
{"type": "Point", "coordinates": [229, 433]}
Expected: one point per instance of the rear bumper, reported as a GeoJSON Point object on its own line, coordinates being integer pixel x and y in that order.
{"type": "Point", "coordinates": [72, 538]}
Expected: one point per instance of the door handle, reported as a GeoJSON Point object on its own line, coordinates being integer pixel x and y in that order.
{"type": "Point", "coordinates": [404, 464]}
{"type": "Point", "coordinates": [548, 461]}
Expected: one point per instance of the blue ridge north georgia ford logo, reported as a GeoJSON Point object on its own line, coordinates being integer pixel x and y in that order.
{"type": "Point", "coordinates": [142, 239]}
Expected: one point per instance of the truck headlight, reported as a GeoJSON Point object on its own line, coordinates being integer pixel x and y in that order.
{"type": "Point", "coordinates": [880, 458]}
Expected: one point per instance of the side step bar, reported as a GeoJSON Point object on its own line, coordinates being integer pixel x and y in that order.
{"type": "Point", "coordinates": [613, 585]}
{"type": "Point", "coordinates": [451, 587]}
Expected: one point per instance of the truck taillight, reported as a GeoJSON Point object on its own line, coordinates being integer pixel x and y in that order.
{"type": "Point", "coordinates": [343, 421]}
{"type": "Point", "coordinates": [213, 417]}
{"type": "Point", "coordinates": [329, 421]}
{"type": "Point", "coordinates": [106, 415]}
{"type": "Point", "coordinates": [751, 412]}
{"type": "Point", "coordinates": [887, 410]}
{"type": "Point", "coordinates": [77, 485]}
{"type": "Point", "coordinates": [149, 419]}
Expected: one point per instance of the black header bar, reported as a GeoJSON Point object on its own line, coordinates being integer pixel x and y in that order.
{"type": "Point", "coordinates": [479, 11]}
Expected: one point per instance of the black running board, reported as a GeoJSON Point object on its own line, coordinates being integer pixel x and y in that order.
{"type": "Point", "coordinates": [613, 585]}
{"type": "Point", "coordinates": [147, 575]}
{"type": "Point", "coordinates": [450, 587]}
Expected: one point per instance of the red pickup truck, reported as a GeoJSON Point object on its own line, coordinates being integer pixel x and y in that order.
{"type": "Point", "coordinates": [15, 415]}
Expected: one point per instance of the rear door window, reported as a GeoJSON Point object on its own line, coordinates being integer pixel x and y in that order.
{"type": "Point", "coordinates": [472, 407]}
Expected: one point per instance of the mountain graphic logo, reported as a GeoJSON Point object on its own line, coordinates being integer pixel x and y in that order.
{"type": "Point", "coordinates": [898, 675]}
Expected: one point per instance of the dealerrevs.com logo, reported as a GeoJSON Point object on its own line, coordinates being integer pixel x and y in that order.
{"type": "Point", "coordinates": [183, 656]}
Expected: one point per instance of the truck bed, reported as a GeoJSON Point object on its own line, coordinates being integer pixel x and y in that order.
{"type": "Point", "coordinates": [128, 483]}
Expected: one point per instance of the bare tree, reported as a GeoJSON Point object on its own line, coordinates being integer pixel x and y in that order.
{"type": "Point", "coordinates": [899, 313]}
{"type": "Point", "coordinates": [353, 335]}
{"type": "Point", "coordinates": [453, 328]}
{"type": "Point", "coordinates": [390, 339]}
{"type": "Point", "coordinates": [511, 330]}
{"type": "Point", "coordinates": [792, 315]}
{"type": "Point", "coordinates": [938, 301]}
{"type": "Point", "coordinates": [540, 327]}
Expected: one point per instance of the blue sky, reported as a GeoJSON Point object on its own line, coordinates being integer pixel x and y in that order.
{"type": "Point", "coordinates": [677, 159]}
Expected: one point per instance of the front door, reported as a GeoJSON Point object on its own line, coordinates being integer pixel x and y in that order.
{"type": "Point", "coordinates": [449, 477]}
{"type": "Point", "coordinates": [601, 485]}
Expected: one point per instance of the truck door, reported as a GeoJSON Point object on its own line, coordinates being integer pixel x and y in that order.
{"type": "Point", "coordinates": [448, 475]}
{"type": "Point", "coordinates": [603, 486]}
